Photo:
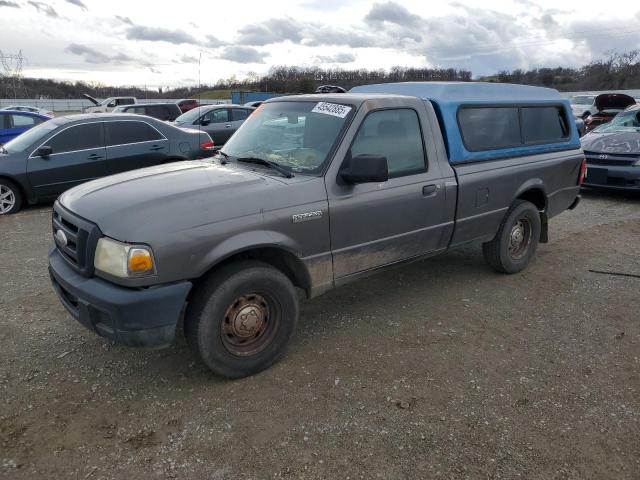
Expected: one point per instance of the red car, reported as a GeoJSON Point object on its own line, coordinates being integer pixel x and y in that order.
{"type": "Point", "coordinates": [608, 105]}
{"type": "Point", "coordinates": [187, 104]}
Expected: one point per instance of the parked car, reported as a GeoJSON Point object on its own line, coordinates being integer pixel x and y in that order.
{"type": "Point", "coordinates": [24, 108]}
{"type": "Point", "coordinates": [66, 151]}
{"type": "Point", "coordinates": [162, 111]}
{"type": "Point", "coordinates": [219, 121]}
{"type": "Point", "coordinates": [613, 152]}
{"type": "Point", "coordinates": [608, 105]}
{"type": "Point", "coordinates": [330, 89]}
{"type": "Point", "coordinates": [312, 192]}
{"type": "Point", "coordinates": [583, 105]}
{"type": "Point", "coordinates": [13, 123]}
{"type": "Point", "coordinates": [108, 104]}
{"type": "Point", "coordinates": [187, 104]}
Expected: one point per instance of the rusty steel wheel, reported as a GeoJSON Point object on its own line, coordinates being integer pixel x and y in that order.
{"type": "Point", "coordinates": [249, 325]}
{"type": "Point", "coordinates": [240, 319]}
{"type": "Point", "coordinates": [520, 238]}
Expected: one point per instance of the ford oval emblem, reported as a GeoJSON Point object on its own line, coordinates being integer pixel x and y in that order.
{"type": "Point", "coordinates": [61, 238]}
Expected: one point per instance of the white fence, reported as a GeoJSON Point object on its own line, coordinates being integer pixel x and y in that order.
{"type": "Point", "coordinates": [77, 104]}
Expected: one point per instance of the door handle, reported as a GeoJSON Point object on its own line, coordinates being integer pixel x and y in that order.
{"type": "Point", "coordinates": [94, 156]}
{"type": "Point", "coordinates": [430, 190]}
{"type": "Point", "coordinates": [157, 147]}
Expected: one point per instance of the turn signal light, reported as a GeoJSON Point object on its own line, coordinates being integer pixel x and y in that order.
{"type": "Point", "coordinates": [207, 146]}
{"type": "Point", "coordinates": [140, 260]}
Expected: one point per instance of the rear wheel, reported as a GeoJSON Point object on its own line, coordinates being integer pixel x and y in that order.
{"type": "Point", "coordinates": [516, 242]}
{"type": "Point", "coordinates": [10, 197]}
{"type": "Point", "coordinates": [241, 319]}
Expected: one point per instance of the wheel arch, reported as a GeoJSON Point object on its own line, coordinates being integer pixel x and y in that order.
{"type": "Point", "coordinates": [281, 256]}
{"type": "Point", "coordinates": [535, 193]}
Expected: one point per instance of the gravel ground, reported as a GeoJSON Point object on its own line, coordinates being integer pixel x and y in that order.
{"type": "Point", "coordinates": [439, 369]}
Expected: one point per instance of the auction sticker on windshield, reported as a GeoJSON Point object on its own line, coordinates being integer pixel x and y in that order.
{"type": "Point", "coordinates": [331, 109]}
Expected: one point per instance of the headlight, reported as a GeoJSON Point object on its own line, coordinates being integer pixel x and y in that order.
{"type": "Point", "coordinates": [123, 260]}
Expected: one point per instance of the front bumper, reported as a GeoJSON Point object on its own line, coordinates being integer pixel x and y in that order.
{"type": "Point", "coordinates": [129, 316]}
{"type": "Point", "coordinates": [612, 177]}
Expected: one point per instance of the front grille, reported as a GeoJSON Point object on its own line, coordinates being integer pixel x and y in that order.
{"type": "Point", "coordinates": [75, 239]}
{"type": "Point", "coordinates": [619, 159]}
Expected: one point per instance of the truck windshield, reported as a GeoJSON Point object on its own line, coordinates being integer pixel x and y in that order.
{"type": "Point", "coordinates": [28, 138]}
{"type": "Point", "coordinates": [296, 135]}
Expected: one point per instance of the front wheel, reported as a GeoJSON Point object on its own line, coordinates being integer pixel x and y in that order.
{"type": "Point", "coordinates": [241, 319]}
{"type": "Point", "coordinates": [10, 197]}
{"type": "Point", "coordinates": [516, 242]}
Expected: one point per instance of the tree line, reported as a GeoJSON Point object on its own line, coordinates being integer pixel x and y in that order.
{"type": "Point", "coordinates": [615, 72]}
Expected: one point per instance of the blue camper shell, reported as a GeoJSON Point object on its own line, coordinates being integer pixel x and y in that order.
{"type": "Point", "coordinates": [448, 98]}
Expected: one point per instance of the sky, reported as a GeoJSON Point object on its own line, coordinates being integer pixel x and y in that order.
{"type": "Point", "coordinates": [181, 43]}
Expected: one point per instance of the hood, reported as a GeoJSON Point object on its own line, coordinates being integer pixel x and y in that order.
{"type": "Point", "coordinates": [614, 142]}
{"type": "Point", "coordinates": [613, 101]}
{"type": "Point", "coordinates": [136, 206]}
{"type": "Point", "coordinates": [91, 99]}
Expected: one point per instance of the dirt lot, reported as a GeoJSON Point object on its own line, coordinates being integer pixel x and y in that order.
{"type": "Point", "coordinates": [439, 369]}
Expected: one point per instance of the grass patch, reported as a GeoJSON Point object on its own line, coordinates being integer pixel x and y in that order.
{"type": "Point", "coordinates": [214, 95]}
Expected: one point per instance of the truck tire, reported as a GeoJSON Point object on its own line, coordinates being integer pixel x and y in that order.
{"type": "Point", "coordinates": [517, 239]}
{"type": "Point", "coordinates": [10, 197]}
{"type": "Point", "coordinates": [241, 319]}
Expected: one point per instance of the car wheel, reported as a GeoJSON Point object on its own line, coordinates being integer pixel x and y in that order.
{"type": "Point", "coordinates": [241, 319]}
{"type": "Point", "coordinates": [10, 197]}
{"type": "Point", "coordinates": [516, 242]}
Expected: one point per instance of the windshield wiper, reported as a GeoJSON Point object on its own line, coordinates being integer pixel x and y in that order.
{"type": "Point", "coordinates": [268, 163]}
{"type": "Point", "coordinates": [225, 159]}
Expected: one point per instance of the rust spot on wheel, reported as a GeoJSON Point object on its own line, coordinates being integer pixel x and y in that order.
{"type": "Point", "coordinates": [249, 325]}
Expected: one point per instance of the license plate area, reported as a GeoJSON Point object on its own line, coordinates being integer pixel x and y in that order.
{"type": "Point", "coordinates": [597, 175]}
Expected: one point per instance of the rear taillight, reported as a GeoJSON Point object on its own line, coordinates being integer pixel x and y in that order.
{"type": "Point", "coordinates": [207, 146]}
{"type": "Point", "coordinates": [583, 172]}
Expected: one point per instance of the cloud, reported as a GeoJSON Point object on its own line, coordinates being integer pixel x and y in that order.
{"type": "Point", "coordinates": [48, 10]}
{"type": "Point", "coordinates": [159, 34]}
{"type": "Point", "coordinates": [188, 59]}
{"type": "Point", "coordinates": [126, 20]}
{"type": "Point", "coordinates": [393, 13]}
{"type": "Point", "coordinates": [240, 54]}
{"type": "Point", "coordinates": [91, 55]}
{"type": "Point", "coordinates": [213, 42]}
{"type": "Point", "coordinates": [7, 3]}
{"type": "Point", "coordinates": [77, 3]}
{"type": "Point", "coordinates": [270, 31]}
{"type": "Point", "coordinates": [337, 58]}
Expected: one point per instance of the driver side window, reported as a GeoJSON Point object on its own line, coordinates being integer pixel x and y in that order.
{"type": "Point", "coordinates": [396, 135]}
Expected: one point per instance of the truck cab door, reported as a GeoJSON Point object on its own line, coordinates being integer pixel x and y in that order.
{"type": "Point", "coordinates": [376, 224]}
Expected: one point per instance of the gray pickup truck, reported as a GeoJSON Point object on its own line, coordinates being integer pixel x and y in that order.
{"type": "Point", "coordinates": [312, 192]}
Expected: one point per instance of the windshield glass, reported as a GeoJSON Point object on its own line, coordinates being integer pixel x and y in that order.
{"type": "Point", "coordinates": [192, 115]}
{"type": "Point", "coordinates": [582, 100]}
{"type": "Point", "coordinates": [623, 122]}
{"type": "Point", "coordinates": [296, 135]}
{"type": "Point", "coordinates": [26, 139]}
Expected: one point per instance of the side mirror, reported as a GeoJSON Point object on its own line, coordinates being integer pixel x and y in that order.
{"type": "Point", "coordinates": [204, 122]}
{"type": "Point", "coordinates": [44, 151]}
{"type": "Point", "coordinates": [365, 169]}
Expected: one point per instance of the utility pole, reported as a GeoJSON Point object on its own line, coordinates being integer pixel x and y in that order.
{"type": "Point", "coordinates": [11, 74]}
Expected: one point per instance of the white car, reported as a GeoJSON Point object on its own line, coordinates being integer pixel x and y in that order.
{"type": "Point", "coordinates": [108, 104]}
{"type": "Point", "coordinates": [583, 105]}
{"type": "Point", "coordinates": [24, 108]}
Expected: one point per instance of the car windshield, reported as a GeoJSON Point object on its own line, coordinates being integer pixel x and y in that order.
{"type": "Point", "coordinates": [296, 135]}
{"type": "Point", "coordinates": [623, 122]}
{"type": "Point", "coordinates": [582, 100]}
{"type": "Point", "coordinates": [192, 115]}
{"type": "Point", "coordinates": [26, 139]}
